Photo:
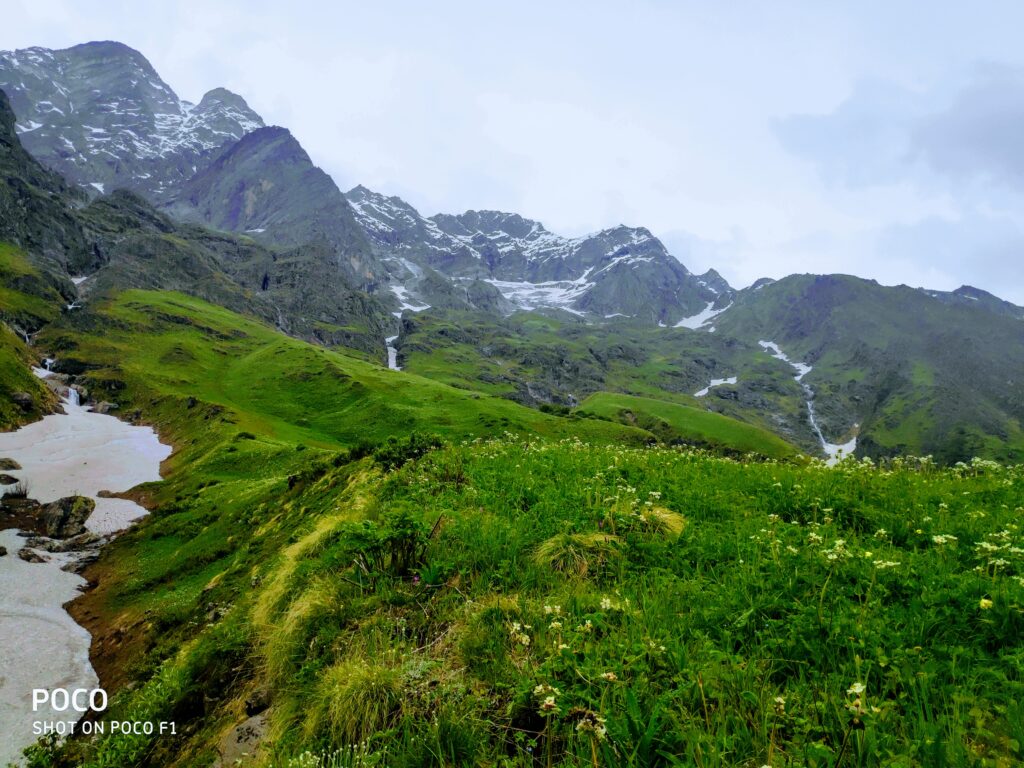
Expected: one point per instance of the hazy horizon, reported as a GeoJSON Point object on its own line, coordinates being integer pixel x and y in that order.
{"type": "Point", "coordinates": [745, 147]}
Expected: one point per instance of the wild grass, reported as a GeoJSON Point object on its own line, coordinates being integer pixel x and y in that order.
{"type": "Point", "coordinates": [577, 554]}
{"type": "Point", "coordinates": [356, 700]}
{"type": "Point", "coordinates": [18, 490]}
{"type": "Point", "coordinates": [774, 614]}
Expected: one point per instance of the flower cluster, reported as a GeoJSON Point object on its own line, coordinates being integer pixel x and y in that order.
{"type": "Point", "coordinates": [547, 699]}
{"type": "Point", "coordinates": [518, 633]}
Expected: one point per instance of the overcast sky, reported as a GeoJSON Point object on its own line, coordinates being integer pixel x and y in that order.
{"type": "Point", "coordinates": [875, 138]}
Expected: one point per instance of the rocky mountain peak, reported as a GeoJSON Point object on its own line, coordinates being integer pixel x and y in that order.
{"type": "Point", "coordinates": [101, 116]}
{"type": "Point", "coordinates": [223, 97]}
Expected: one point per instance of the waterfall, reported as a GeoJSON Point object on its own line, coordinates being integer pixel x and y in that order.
{"type": "Point", "coordinates": [833, 451]}
{"type": "Point", "coordinates": [73, 397]}
{"type": "Point", "coordinates": [48, 362]}
{"type": "Point", "coordinates": [392, 353]}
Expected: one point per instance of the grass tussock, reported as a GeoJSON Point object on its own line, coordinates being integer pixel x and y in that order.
{"type": "Point", "coordinates": [355, 700]}
{"type": "Point", "coordinates": [578, 554]}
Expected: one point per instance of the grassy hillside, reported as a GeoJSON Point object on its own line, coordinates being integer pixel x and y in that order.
{"type": "Point", "coordinates": [28, 297]}
{"type": "Point", "coordinates": [919, 374]}
{"type": "Point", "coordinates": [674, 422]}
{"type": "Point", "coordinates": [536, 359]}
{"type": "Point", "coordinates": [154, 350]}
{"type": "Point", "coordinates": [516, 603]}
{"type": "Point", "coordinates": [27, 300]}
{"type": "Point", "coordinates": [16, 379]}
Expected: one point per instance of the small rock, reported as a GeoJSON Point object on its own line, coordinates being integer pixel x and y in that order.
{"type": "Point", "coordinates": [7, 479]}
{"type": "Point", "coordinates": [239, 746]}
{"type": "Point", "coordinates": [23, 400]}
{"type": "Point", "coordinates": [257, 701]}
{"type": "Point", "coordinates": [79, 563]}
{"type": "Point", "coordinates": [31, 556]}
{"type": "Point", "coordinates": [8, 464]}
{"type": "Point", "coordinates": [3, 551]}
{"type": "Point", "coordinates": [104, 407]}
{"type": "Point", "coordinates": [41, 542]}
{"type": "Point", "coordinates": [82, 541]}
{"type": "Point", "coordinates": [74, 544]}
{"type": "Point", "coordinates": [66, 517]}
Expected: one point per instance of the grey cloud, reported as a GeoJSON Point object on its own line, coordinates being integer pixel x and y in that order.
{"type": "Point", "coordinates": [863, 142]}
{"type": "Point", "coordinates": [979, 134]}
{"type": "Point", "coordinates": [966, 128]}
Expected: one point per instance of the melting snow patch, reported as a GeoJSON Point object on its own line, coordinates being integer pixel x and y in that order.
{"type": "Point", "coordinates": [556, 294]}
{"type": "Point", "coordinates": [802, 369]}
{"type": "Point", "coordinates": [714, 383]}
{"type": "Point", "coordinates": [79, 280]}
{"type": "Point", "coordinates": [703, 317]}
{"type": "Point", "coordinates": [403, 296]}
{"type": "Point", "coordinates": [97, 186]}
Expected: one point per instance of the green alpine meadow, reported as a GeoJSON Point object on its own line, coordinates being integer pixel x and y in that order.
{"type": "Point", "coordinates": [294, 477]}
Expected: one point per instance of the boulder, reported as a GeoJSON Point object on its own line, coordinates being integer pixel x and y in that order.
{"type": "Point", "coordinates": [104, 407]}
{"type": "Point", "coordinates": [23, 400]}
{"type": "Point", "coordinates": [7, 479]}
{"type": "Point", "coordinates": [30, 555]}
{"type": "Point", "coordinates": [241, 744]}
{"type": "Point", "coordinates": [66, 517]}
{"type": "Point", "coordinates": [8, 464]}
{"type": "Point", "coordinates": [81, 561]}
{"type": "Point", "coordinates": [257, 701]}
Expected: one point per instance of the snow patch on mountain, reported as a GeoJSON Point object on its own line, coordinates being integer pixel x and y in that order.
{"type": "Point", "coordinates": [715, 383]}
{"type": "Point", "coordinates": [617, 271]}
{"type": "Point", "coordinates": [405, 304]}
{"type": "Point", "coordinates": [557, 294]}
{"type": "Point", "coordinates": [703, 317]}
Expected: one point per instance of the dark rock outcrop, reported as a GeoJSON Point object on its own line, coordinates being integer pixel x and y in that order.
{"type": "Point", "coordinates": [66, 517]}
{"type": "Point", "coordinates": [31, 556]}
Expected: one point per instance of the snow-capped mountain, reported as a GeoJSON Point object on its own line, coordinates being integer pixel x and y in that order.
{"type": "Point", "coordinates": [617, 272]}
{"type": "Point", "coordinates": [100, 115]}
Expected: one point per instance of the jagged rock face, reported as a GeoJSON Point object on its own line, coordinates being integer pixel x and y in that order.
{"type": "Point", "coordinates": [100, 115]}
{"type": "Point", "coordinates": [623, 271]}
